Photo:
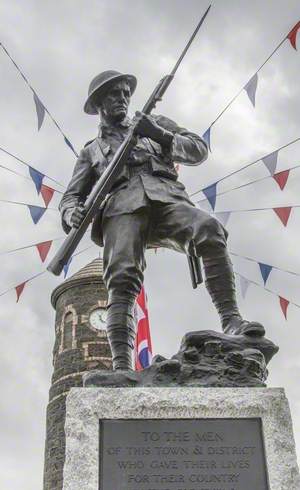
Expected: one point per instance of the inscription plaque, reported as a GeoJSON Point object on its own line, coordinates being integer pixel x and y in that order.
{"type": "Point", "coordinates": [182, 454]}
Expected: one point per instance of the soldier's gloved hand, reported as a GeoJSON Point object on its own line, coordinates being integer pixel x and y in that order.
{"type": "Point", "coordinates": [75, 217]}
{"type": "Point", "coordinates": [148, 128]}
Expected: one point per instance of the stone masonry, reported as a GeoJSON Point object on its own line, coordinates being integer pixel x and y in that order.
{"type": "Point", "coordinates": [78, 349]}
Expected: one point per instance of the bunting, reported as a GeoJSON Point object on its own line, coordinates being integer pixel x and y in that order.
{"type": "Point", "coordinates": [292, 35]}
{"type": "Point", "coordinates": [40, 110]}
{"type": "Point", "coordinates": [204, 206]}
{"type": "Point", "coordinates": [36, 212]}
{"type": "Point", "coordinates": [206, 137]}
{"type": "Point", "coordinates": [244, 284]}
{"type": "Point", "coordinates": [66, 267]}
{"type": "Point", "coordinates": [20, 287]}
{"type": "Point", "coordinates": [284, 303]}
{"type": "Point", "coordinates": [37, 178]}
{"type": "Point", "coordinates": [223, 217]}
{"type": "Point", "coordinates": [19, 290]}
{"type": "Point", "coordinates": [210, 193]}
{"type": "Point", "coordinates": [43, 249]}
{"type": "Point", "coordinates": [30, 166]}
{"type": "Point", "coordinates": [40, 107]}
{"type": "Point", "coordinates": [272, 266]}
{"type": "Point", "coordinates": [47, 194]}
{"type": "Point", "coordinates": [41, 246]}
{"type": "Point", "coordinates": [281, 178]}
{"type": "Point", "coordinates": [265, 270]}
{"type": "Point", "coordinates": [251, 87]}
{"type": "Point", "coordinates": [270, 162]}
{"type": "Point", "coordinates": [283, 214]}
{"type": "Point", "coordinates": [68, 142]}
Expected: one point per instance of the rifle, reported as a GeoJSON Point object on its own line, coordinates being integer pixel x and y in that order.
{"type": "Point", "coordinates": [109, 176]}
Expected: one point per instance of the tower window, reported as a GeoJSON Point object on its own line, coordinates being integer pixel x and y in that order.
{"type": "Point", "coordinates": [68, 331]}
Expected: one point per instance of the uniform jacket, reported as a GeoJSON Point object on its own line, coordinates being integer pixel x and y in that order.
{"type": "Point", "coordinates": [157, 179]}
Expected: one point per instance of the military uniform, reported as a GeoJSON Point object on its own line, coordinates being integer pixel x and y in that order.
{"type": "Point", "coordinates": [147, 202]}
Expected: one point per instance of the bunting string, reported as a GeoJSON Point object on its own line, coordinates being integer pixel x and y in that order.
{"type": "Point", "coordinates": [257, 209]}
{"type": "Point", "coordinates": [30, 246]}
{"type": "Point", "coordinates": [40, 107]}
{"type": "Point", "coordinates": [268, 265]}
{"type": "Point", "coordinates": [251, 85]}
{"type": "Point", "coordinates": [284, 303]}
{"type": "Point", "coordinates": [20, 287]}
{"type": "Point", "coordinates": [36, 212]}
{"type": "Point", "coordinates": [26, 204]}
{"type": "Point", "coordinates": [280, 177]}
{"type": "Point", "coordinates": [28, 165]}
{"type": "Point", "coordinates": [25, 177]}
{"type": "Point", "coordinates": [270, 160]}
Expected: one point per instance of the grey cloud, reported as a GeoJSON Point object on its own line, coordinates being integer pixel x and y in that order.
{"type": "Point", "coordinates": [61, 47]}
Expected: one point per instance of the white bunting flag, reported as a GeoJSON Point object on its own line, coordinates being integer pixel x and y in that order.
{"type": "Point", "coordinates": [251, 87]}
{"type": "Point", "coordinates": [270, 162]}
{"type": "Point", "coordinates": [205, 206]}
{"type": "Point", "coordinates": [40, 110]}
{"type": "Point", "coordinates": [223, 217]}
{"type": "Point", "coordinates": [244, 283]}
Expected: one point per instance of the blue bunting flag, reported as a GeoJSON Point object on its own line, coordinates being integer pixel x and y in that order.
{"type": "Point", "coordinates": [37, 178]}
{"type": "Point", "coordinates": [210, 193]}
{"type": "Point", "coordinates": [265, 270]}
{"type": "Point", "coordinates": [66, 267]}
{"type": "Point", "coordinates": [206, 137]}
{"type": "Point", "coordinates": [36, 213]}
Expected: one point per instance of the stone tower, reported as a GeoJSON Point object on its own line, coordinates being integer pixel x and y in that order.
{"type": "Point", "coordinates": [80, 346]}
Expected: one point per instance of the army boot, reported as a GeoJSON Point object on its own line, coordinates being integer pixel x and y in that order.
{"type": "Point", "coordinates": [121, 334]}
{"type": "Point", "coordinates": [221, 287]}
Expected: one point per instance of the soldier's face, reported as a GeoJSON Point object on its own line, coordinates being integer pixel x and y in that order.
{"type": "Point", "coordinates": [114, 104]}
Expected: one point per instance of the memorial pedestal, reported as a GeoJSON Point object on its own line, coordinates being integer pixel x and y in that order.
{"type": "Point", "coordinates": [179, 439]}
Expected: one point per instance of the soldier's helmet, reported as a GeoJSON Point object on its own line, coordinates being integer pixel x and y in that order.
{"type": "Point", "coordinates": [100, 83]}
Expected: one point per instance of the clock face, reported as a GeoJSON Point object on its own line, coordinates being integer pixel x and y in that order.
{"type": "Point", "coordinates": [98, 318]}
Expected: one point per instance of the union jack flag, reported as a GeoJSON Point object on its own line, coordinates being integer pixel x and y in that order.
{"type": "Point", "coordinates": [143, 345]}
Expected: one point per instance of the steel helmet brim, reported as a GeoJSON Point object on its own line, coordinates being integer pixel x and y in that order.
{"type": "Point", "coordinates": [100, 84]}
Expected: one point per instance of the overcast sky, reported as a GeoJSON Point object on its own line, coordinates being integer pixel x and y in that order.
{"type": "Point", "coordinates": [61, 46]}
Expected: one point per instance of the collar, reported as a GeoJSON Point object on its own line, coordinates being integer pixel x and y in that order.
{"type": "Point", "coordinates": [107, 128]}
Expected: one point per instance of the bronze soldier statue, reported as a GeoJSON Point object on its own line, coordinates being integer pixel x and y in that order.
{"type": "Point", "coordinates": [147, 207]}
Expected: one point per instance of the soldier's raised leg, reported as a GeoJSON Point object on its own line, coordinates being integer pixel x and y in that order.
{"type": "Point", "coordinates": [182, 222]}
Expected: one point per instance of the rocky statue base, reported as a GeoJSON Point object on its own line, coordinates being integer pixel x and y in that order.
{"type": "Point", "coordinates": [179, 438]}
{"type": "Point", "coordinates": [205, 358]}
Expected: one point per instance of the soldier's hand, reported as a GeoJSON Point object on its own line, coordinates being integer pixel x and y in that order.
{"type": "Point", "coordinates": [148, 128]}
{"type": "Point", "coordinates": [77, 216]}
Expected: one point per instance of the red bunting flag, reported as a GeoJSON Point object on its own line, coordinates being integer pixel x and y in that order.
{"type": "Point", "coordinates": [19, 290]}
{"type": "Point", "coordinates": [281, 178]}
{"type": "Point", "coordinates": [283, 214]}
{"type": "Point", "coordinates": [292, 35]}
{"type": "Point", "coordinates": [47, 193]}
{"type": "Point", "coordinates": [284, 303]}
{"type": "Point", "coordinates": [43, 249]}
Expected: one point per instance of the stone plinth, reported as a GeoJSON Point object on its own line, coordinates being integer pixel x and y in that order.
{"type": "Point", "coordinates": [87, 406]}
